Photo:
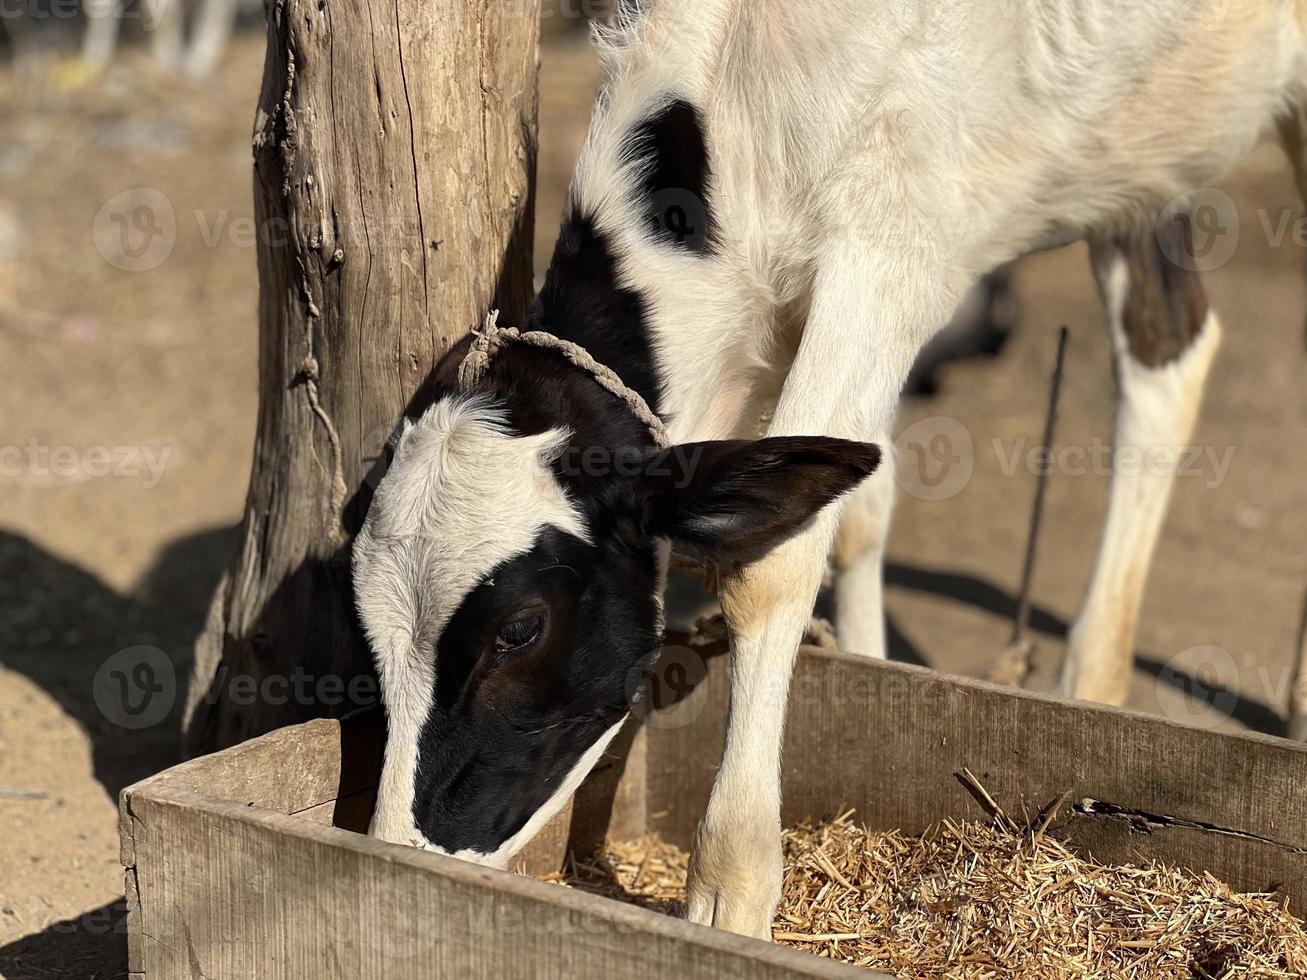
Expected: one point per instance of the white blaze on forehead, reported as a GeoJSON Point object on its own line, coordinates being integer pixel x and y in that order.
{"type": "Point", "coordinates": [462, 496]}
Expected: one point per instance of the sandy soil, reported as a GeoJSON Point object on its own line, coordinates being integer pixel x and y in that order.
{"type": "Point", "coordinates": [159, 364]}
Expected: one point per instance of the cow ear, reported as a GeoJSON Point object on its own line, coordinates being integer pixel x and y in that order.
{"type": "Point", "coordinates": [733, 502]}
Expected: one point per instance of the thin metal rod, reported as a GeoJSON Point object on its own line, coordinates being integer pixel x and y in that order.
{"type": "Point", "coordinates": [1022, 621]}
{"type": "Point", "coordinates": [1297, 728]}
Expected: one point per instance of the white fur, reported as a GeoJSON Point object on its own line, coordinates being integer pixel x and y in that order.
{"type": "Point", "coordinates": [859, 561]}
{"type": "Point", "coordinates": [871, 159]}
{"type": "Point", "coordinates": [1156, 410]}
{"type": "Point", "coordinates": [940, 140]}
{"type": "Point", "coordinates": [462, 496]}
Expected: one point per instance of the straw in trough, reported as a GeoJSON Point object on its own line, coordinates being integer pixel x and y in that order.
{"type": "Point", "coordinates": [970, 900]}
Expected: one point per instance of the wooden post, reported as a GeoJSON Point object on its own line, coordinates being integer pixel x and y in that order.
{"type": "Point", "coordinates": [394, 162]}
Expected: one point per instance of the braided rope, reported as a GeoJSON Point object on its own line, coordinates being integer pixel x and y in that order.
{"type": "Point", "coordinates": [492, 338]}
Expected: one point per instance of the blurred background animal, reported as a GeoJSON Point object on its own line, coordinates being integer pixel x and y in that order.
{"type": "Point", "coordinates": [185, 36]}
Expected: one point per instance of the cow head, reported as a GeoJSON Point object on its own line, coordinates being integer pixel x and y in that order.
{"type": "Point", "coordinates": [509, 578]}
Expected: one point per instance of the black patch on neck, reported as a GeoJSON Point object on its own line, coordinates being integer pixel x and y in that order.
{"type": "Point", "coordinates": [583, 299]}
{"type": "Point", "coordinates": [673, 149]}
{"type": "Point", "coordinates": [584, 302]}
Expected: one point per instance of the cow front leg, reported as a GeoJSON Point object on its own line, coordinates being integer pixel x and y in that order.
{"type": "Point", "coordinates": [735, 866]}
{"type": "Point", "coordinates": [844, 383]}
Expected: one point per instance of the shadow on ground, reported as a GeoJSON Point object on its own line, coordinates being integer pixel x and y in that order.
{"type": "Point", "coordinates": [983, 594]}
{"type": "Point", "coordinates": [59, 625]}
{"type": "Point", "coordinates": [92, 946]}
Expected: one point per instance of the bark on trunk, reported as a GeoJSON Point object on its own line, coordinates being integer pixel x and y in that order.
{"type": "Point", "coordinates": [394, 162]}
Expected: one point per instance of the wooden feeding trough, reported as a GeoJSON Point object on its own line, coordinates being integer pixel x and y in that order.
{"type": "Point", "coordinates": [246, 863]}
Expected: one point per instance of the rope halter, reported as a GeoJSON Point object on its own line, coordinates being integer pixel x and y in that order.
{"type": "Point", "coordinates": [492, 338]}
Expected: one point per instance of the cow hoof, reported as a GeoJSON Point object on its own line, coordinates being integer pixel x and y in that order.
{"type": "Point", "coordinates": [733, 913]}
{"type": "Point", "coordinates": [733, 886]}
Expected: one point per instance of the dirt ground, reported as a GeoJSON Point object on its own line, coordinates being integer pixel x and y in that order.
{"type": "Point", "coordinates": [127, 415]}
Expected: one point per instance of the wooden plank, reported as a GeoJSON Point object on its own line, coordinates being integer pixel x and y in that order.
{"type": "Point", "coordinates": [290, 769]}
{"type": "Point", "coordinates": [887, 738]}
{"type": "Point", "coordinates": [232, 888]}
{"type": "Point", "coordinates": [326, 772]}
{"type": "Point", "coordinates": [234, 891]}
{"type": "Point", "coordinates": [285, 770]}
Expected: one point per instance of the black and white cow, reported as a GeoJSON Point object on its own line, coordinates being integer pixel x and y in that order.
{"type": "Point", "coordinates": [841, 172]}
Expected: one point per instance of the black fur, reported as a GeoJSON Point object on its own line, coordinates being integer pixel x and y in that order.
{"type": "Point", "coordinates": [582, 301]}
{"type": "Point", "coordinates": [733, 502]}
{"type": "Point", "coordinates": [673, 148]}
{"type": "Point", "coordinates": [506, 729]}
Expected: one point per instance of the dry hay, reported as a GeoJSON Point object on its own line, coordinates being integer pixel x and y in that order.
{"type": "Point", "coordinates": [976, 901]}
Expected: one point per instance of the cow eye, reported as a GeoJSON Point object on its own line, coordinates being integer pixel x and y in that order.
{"type": "Point", "coordinates": [519, 632]}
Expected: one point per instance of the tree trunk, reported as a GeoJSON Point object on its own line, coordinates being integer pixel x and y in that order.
{"type": "Point", "coordinates": [394, 162]}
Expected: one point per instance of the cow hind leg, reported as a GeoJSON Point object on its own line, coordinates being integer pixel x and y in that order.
{"type": "Point", "coordinates": [980, 327]}
{"type": "Point", "coordinates": [1164, 338]}
{"type": "Point", "coordinates": [858, 558]}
